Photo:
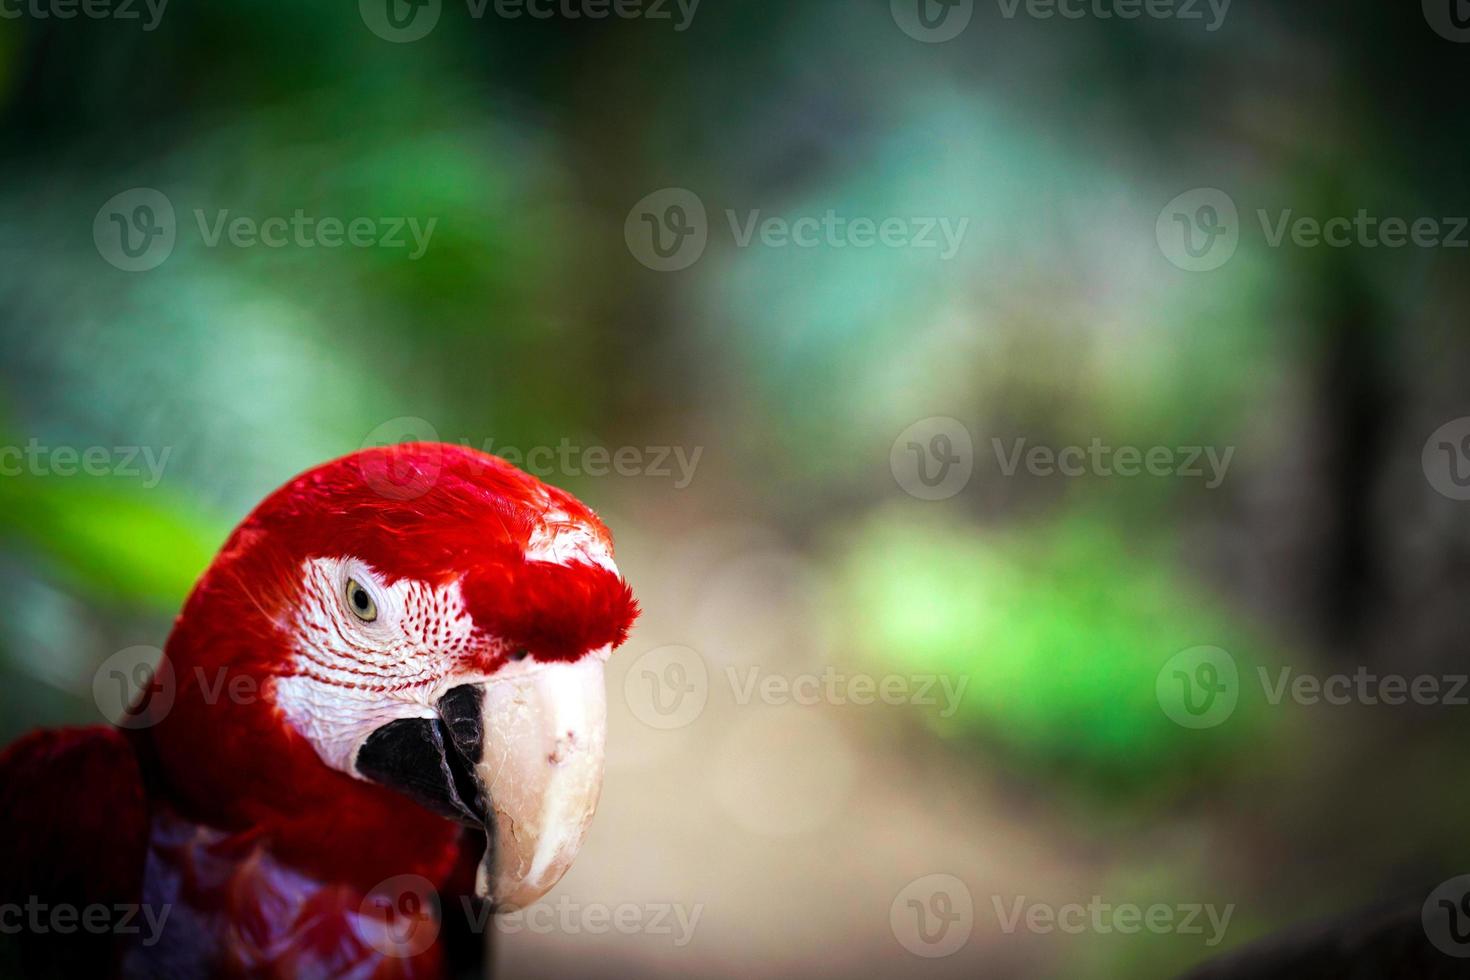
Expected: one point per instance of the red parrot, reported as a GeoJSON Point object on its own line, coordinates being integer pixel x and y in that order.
{"type": "Point", "coordinates": [393, 653]}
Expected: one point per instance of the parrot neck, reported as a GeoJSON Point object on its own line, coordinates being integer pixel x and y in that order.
{"type": "Point", "coordinates": [314, 820]}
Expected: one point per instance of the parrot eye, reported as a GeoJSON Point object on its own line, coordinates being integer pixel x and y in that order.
{"type": "Point", "coordinates": [360, 602]}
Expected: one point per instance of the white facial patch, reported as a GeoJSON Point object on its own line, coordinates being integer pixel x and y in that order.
{"type": "Point", "coordinates": [349, 677]}
{"type": "Point", "coordinates": [562, 540]}
{"type": "Point", "coordinates": [352, 677]}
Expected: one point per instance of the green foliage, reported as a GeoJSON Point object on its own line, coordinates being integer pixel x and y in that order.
{"type": "Point", "coordinates": [1061, 630]}
{"type": "Point", "coordinates": [116, 542]}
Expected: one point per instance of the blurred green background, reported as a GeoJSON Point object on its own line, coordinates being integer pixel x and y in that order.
{"type": "Point", "coordinates": [530, 319]}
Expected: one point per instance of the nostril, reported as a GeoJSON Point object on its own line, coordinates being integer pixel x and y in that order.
{"type": "Point", "coordinates": [520, 655]}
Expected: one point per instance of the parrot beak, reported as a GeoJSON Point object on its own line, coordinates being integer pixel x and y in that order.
{"type": "Point", "coordinates": [520, 755]}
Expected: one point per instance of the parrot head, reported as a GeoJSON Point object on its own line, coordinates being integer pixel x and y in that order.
{"type": "Point", "coordinates": [391, 647]}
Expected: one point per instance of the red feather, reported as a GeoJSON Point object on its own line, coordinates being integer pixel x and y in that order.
{"type": "Point", "coordinates": [239, 810]}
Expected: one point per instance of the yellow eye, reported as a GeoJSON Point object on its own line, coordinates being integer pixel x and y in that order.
{"type": "Point", "coordinates": [361, 604]}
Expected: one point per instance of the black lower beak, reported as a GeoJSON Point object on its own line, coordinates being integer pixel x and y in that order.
{"type": "Point", "coordinates": [432, 760]}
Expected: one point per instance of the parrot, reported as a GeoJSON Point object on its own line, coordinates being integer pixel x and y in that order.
{"type": "Point", "coordinates": [392, 671]}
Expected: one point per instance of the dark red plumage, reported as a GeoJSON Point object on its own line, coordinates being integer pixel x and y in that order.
{"type": "Point", "coordinates": [76, 820]}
